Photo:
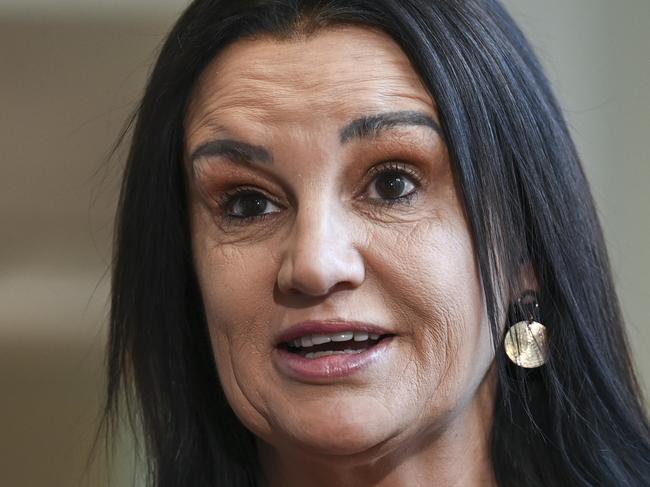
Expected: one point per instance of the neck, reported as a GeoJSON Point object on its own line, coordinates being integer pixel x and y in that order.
{"type": "Point", "coordinates": [456, 455]}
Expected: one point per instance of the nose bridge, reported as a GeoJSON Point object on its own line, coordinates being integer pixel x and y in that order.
{"type": "Point", "coordinates": [320, 251]}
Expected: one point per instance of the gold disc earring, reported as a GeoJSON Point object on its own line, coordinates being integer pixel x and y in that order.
{"type": "Point", "coordinates": [526, 342]}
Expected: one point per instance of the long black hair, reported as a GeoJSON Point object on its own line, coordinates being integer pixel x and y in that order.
{"type": "Point", "coordinates": [579, 420]}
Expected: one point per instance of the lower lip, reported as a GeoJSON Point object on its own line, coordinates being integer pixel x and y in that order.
{"type": "Point", "coordinates": [335, 366]}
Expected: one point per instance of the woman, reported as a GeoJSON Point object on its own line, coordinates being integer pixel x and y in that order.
{"type": "Point", "coordinates": [355, 247]}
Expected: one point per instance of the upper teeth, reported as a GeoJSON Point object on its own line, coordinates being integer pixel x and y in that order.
{"type": "Point", "coordinates": [311, 340]}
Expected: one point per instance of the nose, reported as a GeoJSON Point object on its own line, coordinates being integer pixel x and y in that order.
{"type": "Point", "coordinates": [320, 254]}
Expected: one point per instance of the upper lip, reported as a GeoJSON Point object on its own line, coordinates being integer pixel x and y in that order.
{"type": "Point", "coordinates": [327, 327]}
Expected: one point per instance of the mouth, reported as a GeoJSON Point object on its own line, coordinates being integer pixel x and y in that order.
{"type": "Point", "coordinates": [314, 346]}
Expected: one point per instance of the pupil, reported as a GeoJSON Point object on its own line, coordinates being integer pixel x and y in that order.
{"type": "Point", "coordinates": [252, 205]}
{"type": "Point", "coordinates": [391, 186]}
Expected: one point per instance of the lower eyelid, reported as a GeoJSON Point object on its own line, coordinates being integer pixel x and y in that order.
{"type": "Point", "coordinates": [247, 221]}
{"type": "Point", "coordinates": [407, 200]}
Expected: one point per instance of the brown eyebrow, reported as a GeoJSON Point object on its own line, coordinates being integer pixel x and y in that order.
{"type": "Point", "coordinates": [368, 126]}
{"type": "Point", "coordinates": [233, 149]}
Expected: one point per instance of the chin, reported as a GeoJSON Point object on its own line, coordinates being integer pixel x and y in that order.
{"type": "Point", "coordinates": [342, 433]}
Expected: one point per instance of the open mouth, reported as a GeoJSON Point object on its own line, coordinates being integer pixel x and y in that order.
{"type": "Point", "coordinates": [315, 346]}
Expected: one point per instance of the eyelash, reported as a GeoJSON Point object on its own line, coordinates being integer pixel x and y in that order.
{"type": "Point", "coordinates": [394, 168]}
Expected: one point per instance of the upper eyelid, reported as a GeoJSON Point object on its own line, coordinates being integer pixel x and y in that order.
{"type": "Point", "coordinates": [395, 165]}
{"type": "Point", "coordinates": [376, 169]}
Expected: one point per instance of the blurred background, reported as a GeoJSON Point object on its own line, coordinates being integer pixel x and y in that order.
{"type": "Point", "coordinates": [71, 71]}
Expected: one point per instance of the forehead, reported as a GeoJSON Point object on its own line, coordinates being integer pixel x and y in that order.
{"type": "Point", "coordinates": [332, 76]}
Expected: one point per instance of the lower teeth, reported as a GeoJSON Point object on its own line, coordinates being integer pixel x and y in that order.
{"type": "Point", "coordinates": [331, 352]}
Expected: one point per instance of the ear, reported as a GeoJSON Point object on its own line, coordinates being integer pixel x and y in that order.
{"type": "Point", "coordinates": [526, 281]}
{"type": "Point", "coordinates": [528, 277]}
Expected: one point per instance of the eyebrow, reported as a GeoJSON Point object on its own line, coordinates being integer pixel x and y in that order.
{"type": "Point", "coordinates": [236, 150]}
{"type": "Point", "coordinates": [371, 126]}
{"type": "Point", "coordinates": [366, 127]}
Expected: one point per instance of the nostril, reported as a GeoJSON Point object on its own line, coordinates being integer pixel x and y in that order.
{"type": "Point", "coordinates": [319, 267]}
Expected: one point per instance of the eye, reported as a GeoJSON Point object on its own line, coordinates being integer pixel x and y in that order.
{"type": "Point", "coordinates": [247, 204]}
{"type": "Point", "coordinates": [393, 183]}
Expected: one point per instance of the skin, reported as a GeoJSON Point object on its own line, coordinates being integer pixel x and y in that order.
{"type": "Point", "coordinates": [328, 248]}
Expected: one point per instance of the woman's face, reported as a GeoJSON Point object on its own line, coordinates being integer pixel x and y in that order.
{"type": "Point", "coordinates": [325, 217]}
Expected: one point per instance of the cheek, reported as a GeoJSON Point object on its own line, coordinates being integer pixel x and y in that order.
{"type": "Point", "coordinates": [233, 276]}
{"type": "Point", "coordinates": [431, 283]}
{"type": "Point", "coordinates": [235, 283]}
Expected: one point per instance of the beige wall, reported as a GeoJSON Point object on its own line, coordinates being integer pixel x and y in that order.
{"type": "Point", "coordinates": [69, 76]}
{"type": "Point", "coordinates": [66, 86]}
{"type": "Point", "coordinates": [596, 54]}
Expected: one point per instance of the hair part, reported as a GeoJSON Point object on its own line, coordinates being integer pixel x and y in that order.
{"type": "Point", "coordinates": [578, 420]}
